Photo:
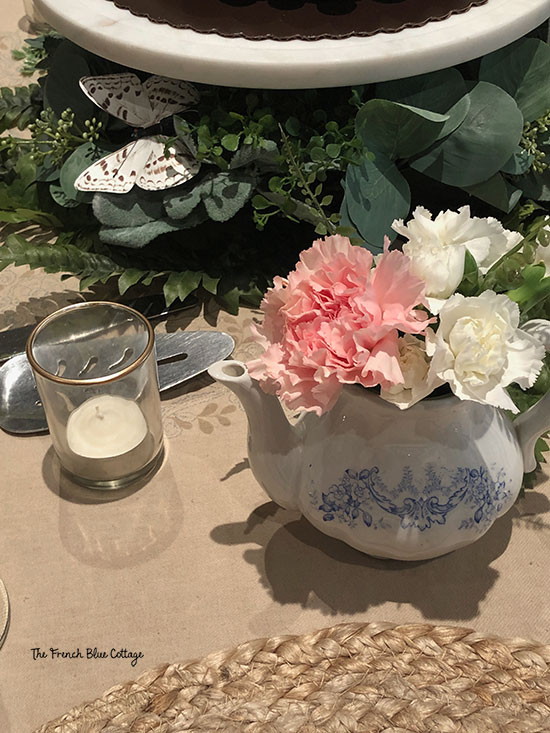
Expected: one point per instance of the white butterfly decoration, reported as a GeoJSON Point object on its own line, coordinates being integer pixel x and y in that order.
{"type": "Point", "coordinates": [143, 161]}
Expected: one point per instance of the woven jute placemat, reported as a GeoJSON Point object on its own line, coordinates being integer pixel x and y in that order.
{"type": "Point", "coordinates": [370, 677]}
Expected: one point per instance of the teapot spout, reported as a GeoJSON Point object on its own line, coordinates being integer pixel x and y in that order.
{"type": "Point", "coordinates": [274, 445]}
{"type": "Point", "coordinates": [529, 427]}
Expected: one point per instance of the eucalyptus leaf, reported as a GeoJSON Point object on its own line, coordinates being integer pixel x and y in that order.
{"type": "Point", "coordinates": [523, 70]}
{"type": "Point", "coordinates": [47, 173]}
{"type": "Point", "coordinates": [456, 114]}
{"type": "Point", "coordinates": [61, 198]}
{"type": "Point", "coordinates": [397, 130]}
{"type": "Point", "coordinates": [535, 185]}
{"type": "Point", "coordinates": [376, 193]}
{"type": "Point", "coordinates": [481, 145]}
{"type": "Point", "coordinates": [76, 163]}
{"type": "Point", "coordinates": [496, 191]}
{"type": "Point", "coordinates": [519, 163]}
{"type": "Point", "coordinates": [437, 91]}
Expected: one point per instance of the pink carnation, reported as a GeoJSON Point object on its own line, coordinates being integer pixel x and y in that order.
{"type": "Point", "coordinates": [335, 321]}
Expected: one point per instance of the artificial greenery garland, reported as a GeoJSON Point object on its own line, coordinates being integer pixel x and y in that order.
{"type": "Point", "coordinates": [277, 169]}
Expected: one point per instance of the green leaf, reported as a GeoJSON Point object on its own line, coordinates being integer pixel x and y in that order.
{"type": "Point", "coordinates": [181, 126]}
{"type": "Point", "coordinates": [481, 145]}
{"type": "Point", "coordinates": [470, 279]}
{"type": "Point", "coordinates": [180, 285]}
{"type": "Point", "coordinates": [18, 106]}
{"type": "Point", "coordinates": [376, 193]}
{"type": "Point", "coordinates": [229, 192]}
{"type": "Point", "coordinates": [60, 197]}
{"type": "Point", "coordinates": [265, 156]}
{"type": "Point", "coordinates": [209, 283]}
{"type": "Point", "coordinates": [20, 193]}
{"type": "Point", "coordinates": [138, 237]}
{"type": "Point", "coordinates": [230, 142]}
{"type": "Point", "coordinates": [223, 195]}
{"type": "Point", "coordinates": [397, 130]}
{"type": "Point", "coordinates": [292, 126]}
{"type": "Point", "coordinates": [131, 209]}
{"type": "Point", "coordinates": [151, 275]}
{"type": "Point", "coordinates": [535, 185]}
{"type": "Point", "coordinates": [519, 163]}
{"type": "Point", "coordinates": [317, 154]}
{"type": "Point", "coordinates": [76, 163]}
{"type": "Point", "coordinates": [20, 216]}
{"type": "Point", "coordinates": [333, 150]}
{"type": "Point", "coordinates": [437, 91]}
{"type": "Point", "coordinates": [496, 191]}
{"type": "Point", "coordinates": [56, 258]}
{"type": "Point", "coordinates": [260, 202]}
{"type": "Point", "coordinates": [535, 288]}
{"type": "Point", "coordinates": [230, 300]}
{"type": "Point", "coordinates": [456, 114]}
{"type": "Point", "coordinates": [128, 278]}
{"type": "Point", "coordinates": [523, 70]}
{"type": "Point", "coordinates": [179, 204]}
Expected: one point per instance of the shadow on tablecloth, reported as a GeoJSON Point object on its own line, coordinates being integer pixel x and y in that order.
{"type": "Point", "coordinates": [99, 529]}
{"type": "Point", "coordinates": [296, 562]}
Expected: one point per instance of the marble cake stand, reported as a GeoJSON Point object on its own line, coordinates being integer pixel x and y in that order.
{"type": "Point", "coordinates": [115, 34]}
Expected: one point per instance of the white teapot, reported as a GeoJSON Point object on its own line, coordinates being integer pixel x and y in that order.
{"type": "Point", "coordinates": [408, 485]}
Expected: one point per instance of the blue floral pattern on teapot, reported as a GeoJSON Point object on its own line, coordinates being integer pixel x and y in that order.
{"type": "Point", "coordinates": [363, 496]}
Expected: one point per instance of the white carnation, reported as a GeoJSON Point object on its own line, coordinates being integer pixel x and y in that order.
{"type": "Point", "coordinates": [540, 329]}
{"type": "Point", "coordinates": [414, 364]}
{"type": "Point", "coordinates": [479, 349]}
{"type": "Point", "coordinates": [437, 247]}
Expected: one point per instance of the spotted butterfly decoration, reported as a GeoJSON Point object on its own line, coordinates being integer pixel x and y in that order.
{"type": "Point", "coordinates": [143, 161]}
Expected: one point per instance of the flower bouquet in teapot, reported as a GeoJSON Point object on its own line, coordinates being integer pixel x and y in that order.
{"type": "Point", "coordinates": [406, 368]}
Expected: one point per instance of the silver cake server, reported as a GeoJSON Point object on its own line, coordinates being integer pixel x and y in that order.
{"type": "Point", "coordinates": [180, 357]}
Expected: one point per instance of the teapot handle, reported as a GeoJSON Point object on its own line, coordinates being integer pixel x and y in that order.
{"type": "Point", "coordinates": [529, 427]}
{"type": "Point", "coordinates": [536, 420]}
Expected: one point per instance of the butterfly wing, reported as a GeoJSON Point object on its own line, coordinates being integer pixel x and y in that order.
{"type": "Point", "coordinates": [121, 95]}
{"type": "Point", "coordinates": [168, 96]}
{"type": "Point", "coordinates": [116, 172]}
{"type": "Point", "coordinates": [160, 172]}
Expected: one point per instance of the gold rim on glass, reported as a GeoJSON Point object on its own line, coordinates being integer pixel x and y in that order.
{"type": "Point", "coordinates": [99, 380]}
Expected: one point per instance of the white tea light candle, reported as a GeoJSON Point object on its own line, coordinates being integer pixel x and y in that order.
{"type": "Point", "coordinates": [105, 426]}
{"type": "Point", "coordinates": [94, 366]}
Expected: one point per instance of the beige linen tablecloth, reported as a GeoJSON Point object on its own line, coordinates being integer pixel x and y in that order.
{"type": "Point", "coordinates": [200, 558]}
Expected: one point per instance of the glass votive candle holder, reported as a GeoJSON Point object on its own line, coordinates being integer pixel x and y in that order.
{"type": "Point", "coordinates": [95, 369]}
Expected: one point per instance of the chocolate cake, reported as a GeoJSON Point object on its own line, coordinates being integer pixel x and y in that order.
{"type": "Point", "coordinates": [285, 20]}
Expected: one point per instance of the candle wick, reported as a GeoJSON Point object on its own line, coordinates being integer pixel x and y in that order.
{"type": "Point", "coordinates": [98, 413]}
